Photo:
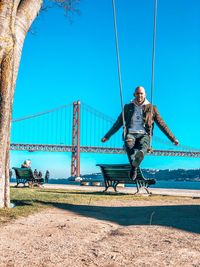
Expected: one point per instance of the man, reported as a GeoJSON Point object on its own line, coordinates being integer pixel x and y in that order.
{"type": "Point", "coordinates": [26, 164]}
{"type": "Point", "coordinates": [47, 175]}
{"type": "Point", "coordinates": [35, 173]}
{"type": "Point", "coordinates": [139, 117]}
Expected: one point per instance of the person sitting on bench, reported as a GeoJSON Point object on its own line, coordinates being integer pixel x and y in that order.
{"type": "Point", "coordinates": [139, 118]}
{"type": "Point", "coordinates": [26, 164]}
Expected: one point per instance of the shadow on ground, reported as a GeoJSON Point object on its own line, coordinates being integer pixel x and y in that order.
{"type": "Point", "coordinates": [99, 193]}
{"type": "Point", "coordinates": [183, 217]}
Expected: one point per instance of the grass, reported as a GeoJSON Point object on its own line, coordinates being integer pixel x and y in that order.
{"type": "Point", "coordinates": [31, 200]}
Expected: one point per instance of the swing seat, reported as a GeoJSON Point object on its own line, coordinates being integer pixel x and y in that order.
{"type": "Point", "coordinates": [115, 174]}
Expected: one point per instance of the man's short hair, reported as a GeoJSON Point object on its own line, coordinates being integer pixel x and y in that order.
{"type": "Point", "coordinates": [140, 86]}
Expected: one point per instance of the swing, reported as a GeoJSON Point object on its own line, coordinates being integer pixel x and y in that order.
{"type": "Point", "coordinates": [120, 173]}
{"type": "Point", "coordinates": [150, 149]}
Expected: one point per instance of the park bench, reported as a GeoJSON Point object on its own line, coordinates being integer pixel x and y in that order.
{"type": "Point", "coordinates": [115, 174]}
{"type": "Point", "coordinates": [25, 175]}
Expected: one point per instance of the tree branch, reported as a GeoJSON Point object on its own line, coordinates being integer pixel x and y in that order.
{"type": "Point", "coordinates": [70, 6]}
{"type": "Point", "coordinates": [26, 13]}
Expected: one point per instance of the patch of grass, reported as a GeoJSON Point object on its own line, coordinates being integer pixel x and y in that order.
{"type": "Point", "coordinates": [31, 200]}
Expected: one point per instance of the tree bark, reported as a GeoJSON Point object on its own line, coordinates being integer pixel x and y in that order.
{"type": "Point", "coordinates": [16, 18]}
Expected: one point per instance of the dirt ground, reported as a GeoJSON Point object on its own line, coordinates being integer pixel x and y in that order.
{"type": "Point", "coordinates": [118, 233]}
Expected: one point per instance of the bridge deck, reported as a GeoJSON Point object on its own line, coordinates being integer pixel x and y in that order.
{"type": "Point", "coordinates": [103, 150]}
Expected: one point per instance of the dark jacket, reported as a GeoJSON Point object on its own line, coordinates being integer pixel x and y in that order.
{"type": "Point", "coordinates": [148, 123]}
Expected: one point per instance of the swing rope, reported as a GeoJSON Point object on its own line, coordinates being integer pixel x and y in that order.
{"type": "Point", "coordinates": [153, 68]}
{"type": "Point", "coordinates": [118, 65]}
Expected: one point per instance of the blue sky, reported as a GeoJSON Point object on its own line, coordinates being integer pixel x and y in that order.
{"type": "Point", "coordinates": [64, 62]}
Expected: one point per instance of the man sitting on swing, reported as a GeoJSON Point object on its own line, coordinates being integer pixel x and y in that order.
{"type": "Point", "coordinates": [139, 118]}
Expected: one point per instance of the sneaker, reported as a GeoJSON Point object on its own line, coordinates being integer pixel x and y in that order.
{"type": "Point", "coordinates": [139, 155]}
{"type": "Point", "coordinates": [133, 173]}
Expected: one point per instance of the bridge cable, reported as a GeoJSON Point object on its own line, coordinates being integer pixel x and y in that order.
{"type": "Point", "coordinates": [41, 113]}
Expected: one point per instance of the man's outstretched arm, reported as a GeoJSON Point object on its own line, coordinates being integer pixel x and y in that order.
{"type": "Point", "coordinates": [116, 126]}
{"type": "Point", "coordinates": [163, 127]}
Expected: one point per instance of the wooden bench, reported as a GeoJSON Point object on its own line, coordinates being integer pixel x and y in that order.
{"type": "Point", "coordinates": [25, 175]}
{"type": "Point", "coordinates": [115, 174]}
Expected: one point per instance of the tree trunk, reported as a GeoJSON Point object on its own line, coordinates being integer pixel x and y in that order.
{"type": "Point", "coordinates": [16, 18]}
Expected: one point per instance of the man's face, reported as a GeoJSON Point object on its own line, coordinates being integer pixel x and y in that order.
{"type": "Point", "coordinates": [140, 95]}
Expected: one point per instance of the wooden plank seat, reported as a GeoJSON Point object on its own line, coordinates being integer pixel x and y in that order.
{"type": "Point", "coordinates": [115, 174]}
{"type": "Point", "coordinates": [25, 175]}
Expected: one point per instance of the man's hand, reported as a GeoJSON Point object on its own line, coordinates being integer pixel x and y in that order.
{"type": "Point", "coordinates": [176, 142]}
{"type": "Point", "coordinates": [104, 139]}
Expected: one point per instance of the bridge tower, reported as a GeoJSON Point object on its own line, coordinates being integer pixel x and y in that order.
{"type": "Point", "coordinates": [75, 162]}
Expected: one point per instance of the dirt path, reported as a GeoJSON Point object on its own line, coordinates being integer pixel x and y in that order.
{"type": "Point", "coordinates": [139, 233]}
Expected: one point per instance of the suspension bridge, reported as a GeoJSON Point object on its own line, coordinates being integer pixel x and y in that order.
{"type": "Point", "coordinates": [77, 128]}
